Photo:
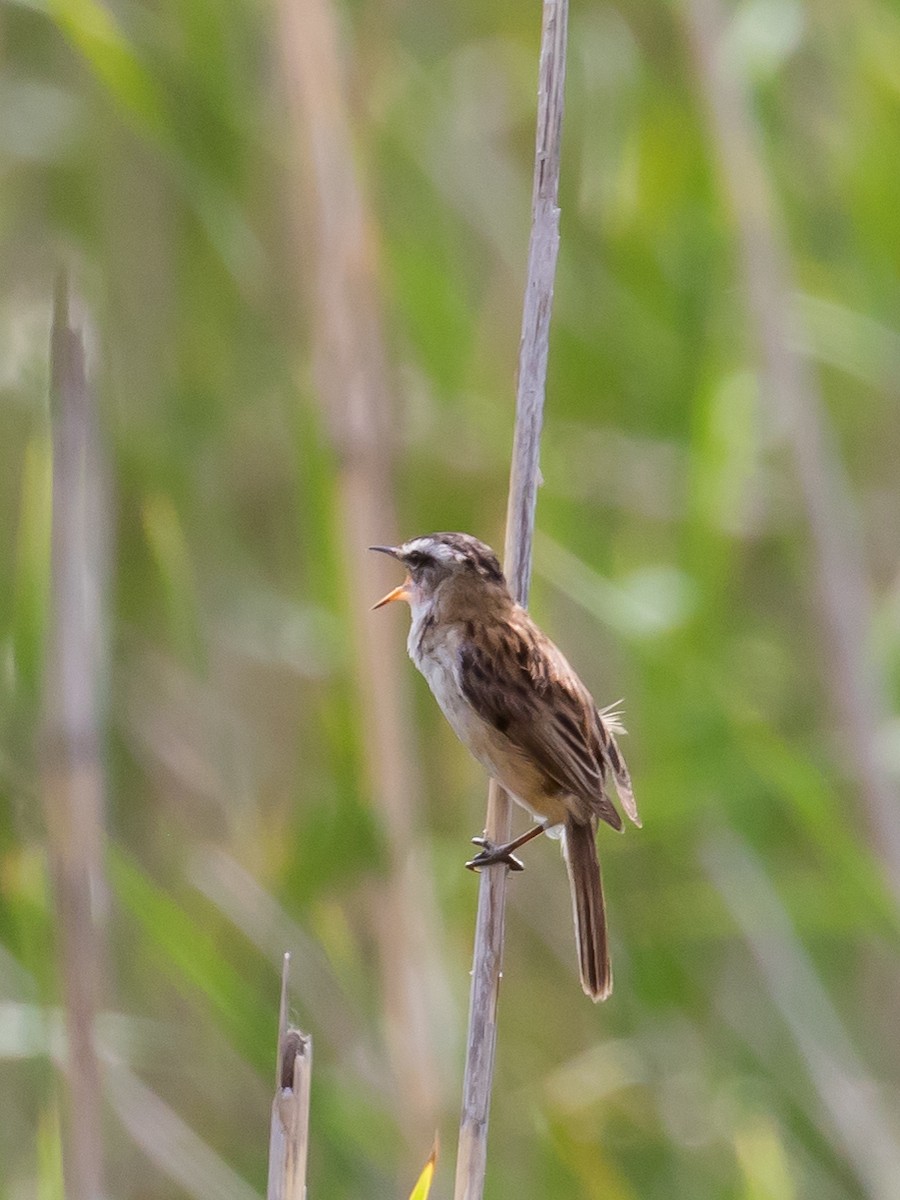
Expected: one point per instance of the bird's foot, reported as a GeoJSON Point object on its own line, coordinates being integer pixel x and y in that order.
{"type": "Point", "coordinates": [494, 854]}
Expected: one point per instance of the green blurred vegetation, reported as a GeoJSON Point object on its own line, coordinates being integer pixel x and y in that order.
{"type": "Point", "coordinates": [754, 934]}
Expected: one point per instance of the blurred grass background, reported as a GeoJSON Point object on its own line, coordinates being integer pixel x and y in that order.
{"type": "Point", "coordinates": [276, 776]}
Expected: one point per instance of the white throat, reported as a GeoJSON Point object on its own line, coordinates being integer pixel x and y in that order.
{"type": "Point", "coordinates": [422, 612]}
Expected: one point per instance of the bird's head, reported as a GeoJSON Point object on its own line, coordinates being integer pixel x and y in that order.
{"type": "Point", "coordinates": [452, 567]}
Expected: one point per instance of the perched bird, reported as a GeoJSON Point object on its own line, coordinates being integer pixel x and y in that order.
{"type": "Point", "coordinates": [524, 714]}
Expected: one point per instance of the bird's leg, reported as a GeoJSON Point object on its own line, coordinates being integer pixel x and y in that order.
{"type": "Point", "coordinates": [495, 854]}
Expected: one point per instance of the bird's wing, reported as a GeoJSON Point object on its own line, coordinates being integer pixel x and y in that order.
{"type": "Point", "coordinates": [521, 684]}
{"type": "Point", "coordinates": [607, 731]}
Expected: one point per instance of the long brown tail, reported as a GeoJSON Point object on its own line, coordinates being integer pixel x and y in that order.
{"type": "Point", "coordinates": [580, 850]}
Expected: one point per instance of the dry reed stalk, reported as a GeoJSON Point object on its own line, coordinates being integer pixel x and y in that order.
{"type": "Point", "coordinates": [856, 690]}
{"type": "Point", "coordinates": [71, 768]}
{"type": "Point", "coordinates": [524, 477]}
{"type": "Point", "coordinates": [289, 1130]}
{"type": "Point", "coordinates": [337, 255]}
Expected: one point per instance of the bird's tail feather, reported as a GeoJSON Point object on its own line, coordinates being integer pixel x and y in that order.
{"type": "Point", "coordinates": [580, 850]}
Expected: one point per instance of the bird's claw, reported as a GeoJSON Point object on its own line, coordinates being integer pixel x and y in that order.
{"type": "Point", "coordinates": [493, 854]}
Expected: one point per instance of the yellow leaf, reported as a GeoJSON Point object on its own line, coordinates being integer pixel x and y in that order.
{"type": "Point", "coordinates": [423, 1184]}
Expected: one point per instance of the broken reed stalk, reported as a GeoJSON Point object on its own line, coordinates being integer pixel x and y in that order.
{"type": "Point", "coordinates": [289, 1130]}
{"type": "Point", "coordinates": [524, 476]}
{"type": "Point", "coordinates": [71, 768]}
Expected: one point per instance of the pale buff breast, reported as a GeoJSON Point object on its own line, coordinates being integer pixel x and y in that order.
{"type": "Point", "coordinates": [438, 659]}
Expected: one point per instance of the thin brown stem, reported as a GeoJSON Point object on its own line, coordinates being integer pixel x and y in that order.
{"type": "Point", "coordinates": [72, 774]}
{"type": "Point", "coordinates": [336, 236]}
{"type": "Point", "coordinates": [524, 477]}
{"type": "Point", "coordinates": [289, 1129]}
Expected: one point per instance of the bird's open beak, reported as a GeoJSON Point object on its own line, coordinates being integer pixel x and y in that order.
{"type": "Point", "coordinates": [399, 593]}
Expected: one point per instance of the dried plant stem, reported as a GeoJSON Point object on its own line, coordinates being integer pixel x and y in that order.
{"type": "Point", "coordinates": [71, 770]}
{"type": "Point", "coordinates": [289, 1130]}
{"type": "Point", "coordinates": [855, 689]}
{"type": "Point", "coordinates": [336, 234]}
{"type": "Point", "coordinates": [524, 476]}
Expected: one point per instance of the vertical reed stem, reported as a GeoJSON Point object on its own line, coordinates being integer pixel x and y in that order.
{"type": "Point", "coordinates": [524, 477]}
{"type": "Point", "coordinates": [337, 251]}
{"type": "Point", "coordinates": [71, 769]}
{"type": "Point", "coordinates": [289, 1129]}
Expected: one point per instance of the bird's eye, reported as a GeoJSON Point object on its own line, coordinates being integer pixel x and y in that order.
{"type": "Point", "coordinates": [416, 559]}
